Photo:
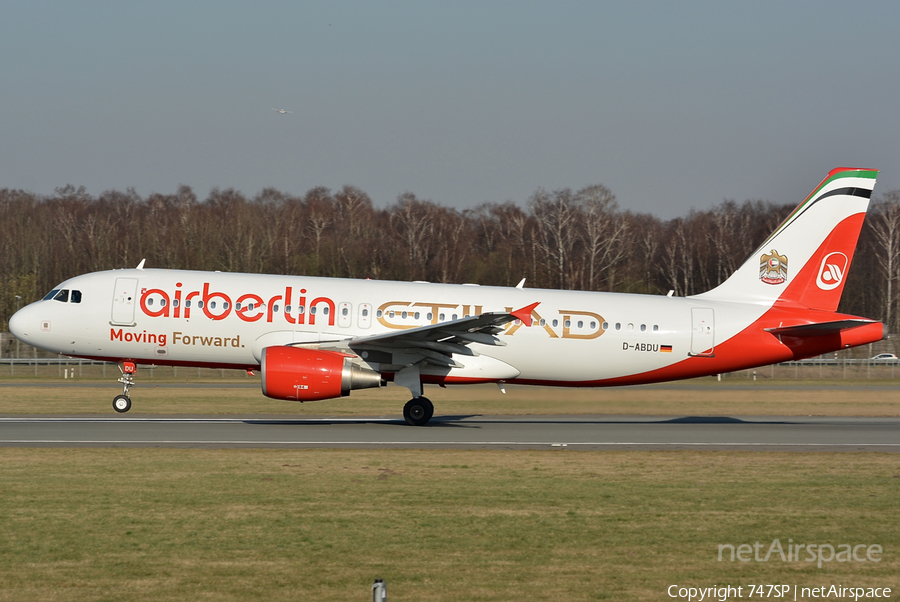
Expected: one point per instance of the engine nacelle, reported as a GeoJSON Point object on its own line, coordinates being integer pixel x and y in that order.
{"type": "Point", "coordinates": [299, 374]}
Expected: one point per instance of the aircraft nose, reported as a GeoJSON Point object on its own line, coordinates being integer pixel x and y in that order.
{"type": "Point", "coordinates": [18, 324]}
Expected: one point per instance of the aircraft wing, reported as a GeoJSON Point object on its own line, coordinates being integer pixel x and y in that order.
{"type": "Point", "coordinates": [436, 343]}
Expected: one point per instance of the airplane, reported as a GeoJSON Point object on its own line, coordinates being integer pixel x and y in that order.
{"type": "Point", "coordinates": [282, 111]}
{"type": "Point", "coordinates": [321, 338]}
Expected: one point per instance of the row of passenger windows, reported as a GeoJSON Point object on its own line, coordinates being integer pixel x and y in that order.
{"type": "Point", "coordinates": [63, 296]}
{"type": "Point", "coordinates": [248, 307]}
{"type": "Point", "coordinates": [364, 312]}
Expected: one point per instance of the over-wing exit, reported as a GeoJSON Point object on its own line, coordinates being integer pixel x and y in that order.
{"type": "Point", "coordinates": [321, 338]}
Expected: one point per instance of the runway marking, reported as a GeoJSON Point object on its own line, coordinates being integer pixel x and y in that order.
{"type": "Point", "coordinates": [200, 420]}
{"type": "Point", "coordinates": [427, 443]}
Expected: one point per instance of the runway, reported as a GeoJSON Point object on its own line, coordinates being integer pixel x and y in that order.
{"type": "Point", "coordinates": [460, 432]}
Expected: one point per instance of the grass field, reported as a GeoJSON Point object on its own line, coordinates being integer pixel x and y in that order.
{"type": "Point", "coordinates": [234, 525]}
{"type": "Point", "coordinates": [697, 398]}
{"type": "Point", "coordinates": [165, 524]}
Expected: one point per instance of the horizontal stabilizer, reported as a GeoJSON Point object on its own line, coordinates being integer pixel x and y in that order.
{"type": "Point", "coordinates": [820, 329]}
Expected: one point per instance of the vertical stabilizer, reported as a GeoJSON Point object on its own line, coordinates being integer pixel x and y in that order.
{"type": "Point", "coordinates": [805, 261]}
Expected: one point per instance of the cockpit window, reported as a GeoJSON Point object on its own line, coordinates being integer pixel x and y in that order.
{"type": "Point", "coordinates": [50, 295]}
{"type": "Point", "coordinates": [76, 297]}
{"type": "Point", "coordinates": [62, 296]}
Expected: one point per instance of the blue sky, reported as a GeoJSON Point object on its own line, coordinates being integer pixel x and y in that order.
{"type": "Point", "coordinates": [671, 105]}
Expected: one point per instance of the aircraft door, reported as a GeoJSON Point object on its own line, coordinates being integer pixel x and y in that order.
{"type": "Point", "coordinates": [124, 301]}
{"type": "Point", "coordinates": [702, 332]}
{"type": "Point", "coordinates": [344, 315]}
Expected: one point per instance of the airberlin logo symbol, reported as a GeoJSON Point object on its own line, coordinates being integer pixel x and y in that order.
{"type": "Point", "coordinates": [832, 270]}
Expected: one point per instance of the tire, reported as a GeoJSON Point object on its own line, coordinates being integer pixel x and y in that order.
{"type": "Point", "coordinates": [122, 403]}
{"type": "Point", "coordinates": [418, 411]}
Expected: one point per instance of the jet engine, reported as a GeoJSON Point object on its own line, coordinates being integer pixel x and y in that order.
{"type": "Point", "coordinates": [299, 374]}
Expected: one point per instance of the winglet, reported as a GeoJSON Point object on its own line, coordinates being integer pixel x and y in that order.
{"type": "Point", "coordinates": [524, 314]}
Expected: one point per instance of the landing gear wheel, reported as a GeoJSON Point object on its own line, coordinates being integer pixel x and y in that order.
{"type": "Point", "coordinates": [418, 411]}
{"type": "Point", "coordinates": [122, 403]}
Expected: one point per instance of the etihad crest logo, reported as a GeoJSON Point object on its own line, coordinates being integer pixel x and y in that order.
{"type": "Point", "coordinates": [773, 267]}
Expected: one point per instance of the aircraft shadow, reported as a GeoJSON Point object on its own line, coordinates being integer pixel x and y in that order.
{"type": "Point", "coordinates": [458, 421]}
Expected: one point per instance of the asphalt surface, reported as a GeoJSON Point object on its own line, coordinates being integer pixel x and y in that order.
{"type": "Point", "coordinates": [460, 432]}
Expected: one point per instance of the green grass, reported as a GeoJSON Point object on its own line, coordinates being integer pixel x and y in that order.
{"type": "Point", "coordinates": [175, 524]}
{"type": "Point", "coordinates": [671, 399]}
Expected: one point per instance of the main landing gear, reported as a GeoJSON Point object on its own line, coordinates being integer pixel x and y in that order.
{"type": "Point", "coordinates": [122, 403]}
{"type": "Point", "coordinates": [418, 411]}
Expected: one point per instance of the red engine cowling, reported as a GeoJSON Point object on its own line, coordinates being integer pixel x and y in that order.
{"type": "Point", "coordinates": [299, 374]}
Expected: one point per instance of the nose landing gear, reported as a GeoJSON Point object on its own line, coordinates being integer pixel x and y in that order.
{"type": "Point", "coordinates": [122, 403]}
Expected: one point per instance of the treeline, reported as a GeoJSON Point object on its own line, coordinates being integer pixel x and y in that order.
{"type": "Point", "coordinates": [561, 239]}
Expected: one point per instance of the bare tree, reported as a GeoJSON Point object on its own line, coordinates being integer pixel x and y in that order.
{"type": "Point", "coordinates": [884, 221]}
{"type": "Point", "coordinates": [603, 231]}
{"type": "Point", "coordinates": [556, 216]}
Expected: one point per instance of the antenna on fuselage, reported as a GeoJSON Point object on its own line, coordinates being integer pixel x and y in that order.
{"type": "Point", "coordinates": [521, 284]}
{"type": "Point", "coordinates": [140, 266]}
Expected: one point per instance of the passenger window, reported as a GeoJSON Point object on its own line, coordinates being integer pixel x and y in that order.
{"type": "Point", "coordinates": [365, 313]}
{"type": "Point", "coordinates": [76, 297]}
{"type": "Point", "coordinates": [429, 315]}
{"type": "Point", "coordinates": [312, 310]}
{"type": "Point", "coordinates": [454, 316]}
{"type": "Point", "coordinates": [643, 327]}
{"type": "Point", "coordinates": [301, 309]}
{"type": "Point", "coordinates": [237, 306]}
{"type": "Point", "coordinates": [162, 302]}
{"type": "Point", "coordinates": [212, 304]}
{"type": "Point", "coordinates": [225, 305]}
{"type": "Point", "coordinates": [593, 325]}
{"type": "Point", "coordinates": [568, 323]}
{"type": "Point", "coordinates": [200, 303]}
{"type": "Point", "coordinates": [555, 323]}
{"type": "Point", "coordinates": [50, 295]}
{"type": "Point", "coordinates": [149, 301]}
{"type": "Point", "coordinates": [605, 325]}
{"type": "Point", "coordinates": [404, 315]}
{"type": "Point", "coordinates": [325, 310]}
{"type": "Point", "coordinates": [618, 326]}
{"type": "Point", "coordinates": [175, 303]}
{"type": "Point", "coordinates": [379, 313]}
{"type": "Point", "coordinates": [62, 296]}
{"type": "Point", "coordinates": [655, 328]}
{"type": "Point", "coordinates": [543, 322]}
{"type": "Point", "coordinates": [416, 315]}
{"type": "Point", "coordinates": [187, 303]}
{"type": "Point", "coordinates": [275, 308]}
{"type": "Point", "coordinates": [441, 317]}
{"type": "Point", "coordinates": [345, 311]}
{"type": "Point", "coordinates": [580, 324]}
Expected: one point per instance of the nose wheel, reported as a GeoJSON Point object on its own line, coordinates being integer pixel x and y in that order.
{"type": "Point", "coordinates": [418, 411]}
{"type": "Point", "coordinates": [122, 403]}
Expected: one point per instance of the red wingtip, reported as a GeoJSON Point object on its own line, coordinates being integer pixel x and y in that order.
{"type": "Point", "coordinates": [524, 314]}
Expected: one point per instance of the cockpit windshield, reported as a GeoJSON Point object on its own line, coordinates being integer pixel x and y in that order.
{"type": "Point", "coordinates": [63, 296]}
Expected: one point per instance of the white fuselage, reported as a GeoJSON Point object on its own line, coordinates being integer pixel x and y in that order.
{"type": "Point", "coordinates": [192, 318]}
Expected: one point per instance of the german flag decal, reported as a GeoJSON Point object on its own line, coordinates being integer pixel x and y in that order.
{"type": "Point", "coordinates": [665, 349]}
